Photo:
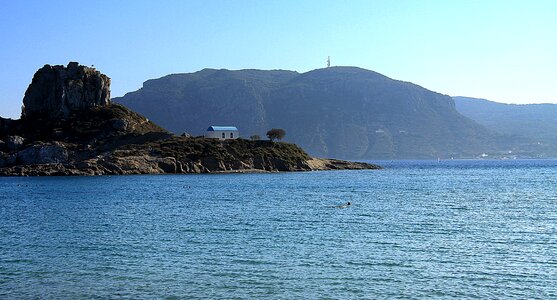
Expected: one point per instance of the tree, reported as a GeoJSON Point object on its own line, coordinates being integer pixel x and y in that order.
{"type": "Point", "coordinates": [255, 137]}
{"type": "Point", "coordinates": [276, 134]}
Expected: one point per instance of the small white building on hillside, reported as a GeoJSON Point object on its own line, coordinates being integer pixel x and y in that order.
{"type": "Point", "coordinates": [222, 132]}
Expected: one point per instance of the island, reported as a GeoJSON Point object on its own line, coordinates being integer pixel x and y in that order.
{"type": "Point", "coordinates": [69, 126]}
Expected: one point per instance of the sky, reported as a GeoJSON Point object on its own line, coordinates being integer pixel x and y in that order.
{"type": "Point", "coordinates": [504, 51]}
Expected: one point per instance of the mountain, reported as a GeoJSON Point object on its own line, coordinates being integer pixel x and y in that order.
{"type": "Point", "coordinates": [343, 112]}
{"type": "Point", "coordinates": [534, 121]}
{"type": "Point", "coordinates": [70, 127]}
{"type": "Point", "coordinates": [193, 102]}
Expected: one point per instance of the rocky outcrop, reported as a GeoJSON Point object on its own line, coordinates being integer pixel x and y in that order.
{"type": "Point", "coordinates": [172, 155]}
{"type": "Point", "coordinates": [4, 125]}
{"type": "Point", "coordinates": [43, 154]}
{"type": "Point", "coordinates": [49, 160]}
{"type": "Point", "coordinates": [56, 91]}
{"type": "Point", "coordinates": [14, 142]}
{"type": "Point", "coordinates": [70, 128]}
{"type": "Point", "coordinates": [320, 164]}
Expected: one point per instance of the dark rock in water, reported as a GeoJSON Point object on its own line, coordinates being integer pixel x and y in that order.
{"type": "Point", "coordinates": [56, 91]}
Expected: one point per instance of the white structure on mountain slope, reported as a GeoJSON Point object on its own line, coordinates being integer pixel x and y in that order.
{"type": "Point", "coordinates": [222, 132]}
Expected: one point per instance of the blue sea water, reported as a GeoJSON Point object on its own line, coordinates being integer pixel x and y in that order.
{"type": "Point", "coordinates": [417, 229]}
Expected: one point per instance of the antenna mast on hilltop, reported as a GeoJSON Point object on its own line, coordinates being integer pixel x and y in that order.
{"type": "Point", "coordinates": [328, 61]}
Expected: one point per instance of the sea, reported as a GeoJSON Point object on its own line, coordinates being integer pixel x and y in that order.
{"type": "Point", "coordinates": [415, 230]}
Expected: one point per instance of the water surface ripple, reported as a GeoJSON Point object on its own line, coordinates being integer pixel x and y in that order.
{"type": "Point", "coordinates": [418, 229]}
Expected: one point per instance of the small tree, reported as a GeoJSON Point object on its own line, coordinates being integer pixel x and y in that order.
{"type": "Point", "coordinates": [276, 134]}
{"type": "Point", "coordinates": [255, 137]}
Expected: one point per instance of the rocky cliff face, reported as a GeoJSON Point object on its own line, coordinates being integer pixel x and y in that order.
{"type": "Point", "coordinates": [56, 91]}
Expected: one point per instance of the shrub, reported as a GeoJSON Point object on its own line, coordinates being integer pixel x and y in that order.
{"type": "Point", "coordinates": [276, 134]}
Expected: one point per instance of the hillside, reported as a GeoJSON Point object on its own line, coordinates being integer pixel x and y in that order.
{"type": "Point", "coordinates": [187, 102]}
{"type": "Point", "coordinates": [342, 112]}
{"type": "Point", "coordinates": [535, 121]}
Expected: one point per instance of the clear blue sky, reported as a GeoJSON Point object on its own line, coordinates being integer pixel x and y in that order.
{"type": "Point", "coordinates": [504, 51]}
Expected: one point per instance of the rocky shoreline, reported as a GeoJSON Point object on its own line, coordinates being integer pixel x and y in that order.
{"type": "Point", "coordinates": [70, 127]}
{"type": "Point", "coordinates": [170, 155]}
{"type": "Point", "coordinates": [138, 166]}
{"type": "Point", "coordinates": [163, 157]}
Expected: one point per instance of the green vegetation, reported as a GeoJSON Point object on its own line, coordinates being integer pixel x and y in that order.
{"type": "Point", "coordinates": [276, 134]}
{"type": "Point", "coordinates": [196, 148]}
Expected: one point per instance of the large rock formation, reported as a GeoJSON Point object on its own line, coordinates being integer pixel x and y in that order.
{"type": "Point", "coordinates": [56, 91]}
{"type": "Point", "coordinates": [69, 127]}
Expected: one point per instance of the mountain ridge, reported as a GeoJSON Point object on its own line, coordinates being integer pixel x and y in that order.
{"type": "Point", "coordinates": [536, 121]}
{"type": "Point", "coordinates": [341, 112]}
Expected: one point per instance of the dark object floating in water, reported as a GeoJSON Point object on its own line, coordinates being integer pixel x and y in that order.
{"type": "Point", "coordinates": [346, 205]}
